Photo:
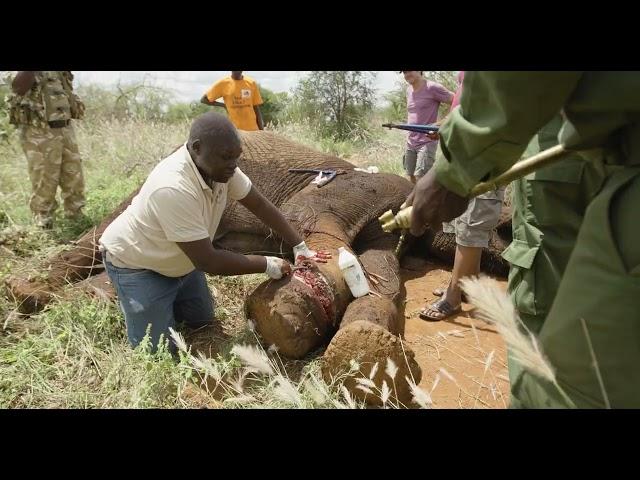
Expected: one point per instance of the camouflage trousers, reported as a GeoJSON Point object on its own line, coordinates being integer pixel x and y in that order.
{"type": "Point", "coordinates": [53, 159]}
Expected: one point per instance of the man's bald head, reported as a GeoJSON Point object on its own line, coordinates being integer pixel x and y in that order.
{"type": "Point", "coordinates": [214, 130]}
{"type": "Point", "coordinates": [215, 146]}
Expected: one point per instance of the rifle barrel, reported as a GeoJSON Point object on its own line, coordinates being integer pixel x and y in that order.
{"type": "Point", "coordinates": [412, 128]}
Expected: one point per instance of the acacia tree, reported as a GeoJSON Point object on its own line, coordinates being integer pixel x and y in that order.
{"type": "Point", "coordinates": [338, 102]}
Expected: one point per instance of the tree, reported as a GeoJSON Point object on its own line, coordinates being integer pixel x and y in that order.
{"type": "Point", "coordinates": [124, 101]}
{"type": "Point", "coordinates": [444, 78]}
{"type": "Point", "coordinates": [396, 110]}
{"type": "Point", "coordinates": [337, 102]}
{"type": "Point", "coordinates": [274, 104]}
{"type": "Point", "coordinates": [180, 112]}
{"type": "Point", "coordinates": [5, 89]}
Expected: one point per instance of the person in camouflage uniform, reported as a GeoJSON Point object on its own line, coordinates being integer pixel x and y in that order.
{"type": "Point", "coordinates": [42, 106]}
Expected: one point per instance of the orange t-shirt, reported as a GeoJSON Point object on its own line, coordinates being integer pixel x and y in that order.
{"type": "Point", "coordinates": [240, 96]}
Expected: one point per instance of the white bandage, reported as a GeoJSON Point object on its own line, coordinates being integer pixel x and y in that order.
{"type": "Point", "coordinates": [274, 267]}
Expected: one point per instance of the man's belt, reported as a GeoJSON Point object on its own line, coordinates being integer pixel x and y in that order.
{"type": "Point", "coordinates": [59, 123]}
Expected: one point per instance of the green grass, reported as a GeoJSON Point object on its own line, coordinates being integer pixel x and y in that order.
{"type": "Point", "coordinates": [75, 353]}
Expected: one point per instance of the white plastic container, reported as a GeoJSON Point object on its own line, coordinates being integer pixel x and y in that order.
{"type": "Point", "coordinates": [352, 273]}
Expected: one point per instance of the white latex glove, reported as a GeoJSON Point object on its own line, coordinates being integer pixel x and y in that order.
{"type": "Point", "coordinates": [302, 249]}
{"type": "Point", "coordinates": [277, 267]}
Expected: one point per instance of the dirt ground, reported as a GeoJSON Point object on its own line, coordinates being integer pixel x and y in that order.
{"type": "Point", "coordinates": [464, 358]}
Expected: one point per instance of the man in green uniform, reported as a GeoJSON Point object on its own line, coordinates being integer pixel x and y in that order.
{"type": "Point", "coordinates": [42, 106]}
{"type": "Point", "coordinates": [549, 206]}
{"type": "Point", "coordinates": [591, 334]}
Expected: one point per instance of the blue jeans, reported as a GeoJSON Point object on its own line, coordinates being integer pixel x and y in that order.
{"type": "Point", "coordinates": [149, 298]}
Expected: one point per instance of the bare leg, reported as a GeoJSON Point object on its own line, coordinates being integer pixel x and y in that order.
{"type": "Point", "coordinates": [466, 263]}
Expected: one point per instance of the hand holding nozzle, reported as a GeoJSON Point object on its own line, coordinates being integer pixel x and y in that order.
{"type": "Point", "coordinates": [436, 203]}
{"type": "Point", "coordinates": [391, 222]}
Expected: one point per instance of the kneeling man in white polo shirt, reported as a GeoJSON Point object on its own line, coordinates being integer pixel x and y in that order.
{"type": "Point", "coordinates": [157, 251]}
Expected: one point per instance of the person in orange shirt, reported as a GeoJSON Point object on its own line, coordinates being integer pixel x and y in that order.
{"type": "Point", "coordinates": [242, 100]}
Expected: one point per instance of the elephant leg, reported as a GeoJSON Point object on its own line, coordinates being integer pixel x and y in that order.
{"type": "Point", "coordinates": [75, 264]}
{"type": "Point", "coordinates": [371, 326]}
{"type": "Point", "coordinates": [302, 312]}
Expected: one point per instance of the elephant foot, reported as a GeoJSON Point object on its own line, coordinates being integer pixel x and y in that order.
{"type": "Point", "coordinates": [369, 344]}
{"type": "Point", "coordinates": [31, 295]}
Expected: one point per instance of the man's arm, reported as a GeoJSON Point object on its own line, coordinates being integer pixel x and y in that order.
{"type": "Point", "coordinates": [258, 113]}
{"type": "Point", "coordinates": [206, 101]}
{"type": "Point", "coordinates": [221, 262]}
{"type": "Point", "coordinates": [23, 82]}
{"type": "Point", "coordinates": [442, 94]}
{"type": "Point", "coordinates": [257, 101]}
{"type": "Point", "coordinates": [262, 208]}
{"type": "Point", "coordinates": [448, 99]}
{"type": "Point", "coordinates": [499, 114]}
{"type": "Point", "coordinates": [213, 94]}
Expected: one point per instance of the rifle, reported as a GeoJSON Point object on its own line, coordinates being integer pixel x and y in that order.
{"type": "Point", "coordinates": [412, 127]}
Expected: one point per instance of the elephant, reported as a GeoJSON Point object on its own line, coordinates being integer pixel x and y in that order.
{"type": "Point", "coordinates": [313, 307]}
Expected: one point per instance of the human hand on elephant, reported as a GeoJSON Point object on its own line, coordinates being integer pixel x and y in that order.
{"type": "Point", "coordinates": [277, 268]}
{"type": "Point", "coordinates": [433, 204]}
{"type": "Point", "coordinates": [303, 252]}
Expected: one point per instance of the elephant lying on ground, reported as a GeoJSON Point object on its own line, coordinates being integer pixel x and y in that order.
{"type": "Point", "coordinates": [313, 306]}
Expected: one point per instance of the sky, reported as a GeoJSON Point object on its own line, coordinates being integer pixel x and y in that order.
{"type": "Point", "coordinates": [190, 86]}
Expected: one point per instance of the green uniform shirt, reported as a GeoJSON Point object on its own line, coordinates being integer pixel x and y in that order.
{"type": "Point", "coordinates": [500, 112]}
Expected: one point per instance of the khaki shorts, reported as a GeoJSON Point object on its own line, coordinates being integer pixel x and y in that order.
{"type": "Point", "coordinates": [473, 228]}
{"type": "Point", "coordinates": [418, 162]}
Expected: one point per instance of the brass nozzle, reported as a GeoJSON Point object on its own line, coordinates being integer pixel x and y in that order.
{"type": "Point", "coordinates": [388, 220]}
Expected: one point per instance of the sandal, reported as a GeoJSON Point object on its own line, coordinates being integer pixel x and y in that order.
{"type": "Point", "coordinates": [439, 310]}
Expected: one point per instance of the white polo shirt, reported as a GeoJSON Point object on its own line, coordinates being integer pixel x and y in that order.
{"type": "Point", "coordinates": [174, 205]}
